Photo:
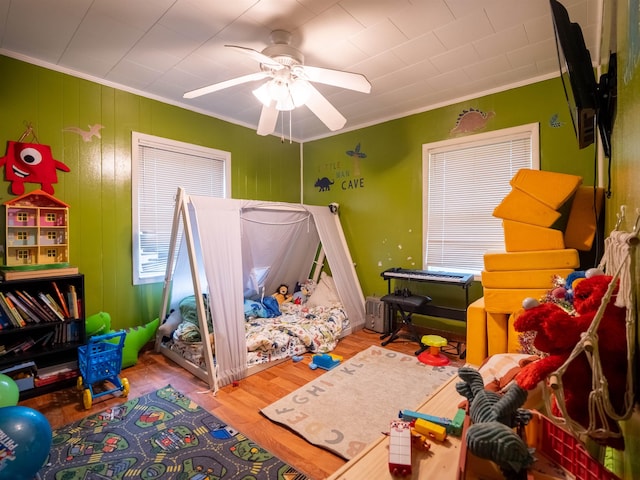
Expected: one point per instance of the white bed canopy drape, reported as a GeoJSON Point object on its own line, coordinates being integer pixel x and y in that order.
{"type": "Point", "coordinates": [232, 249]}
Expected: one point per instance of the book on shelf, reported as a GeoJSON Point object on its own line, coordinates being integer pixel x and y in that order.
{"type": "Point", "coordinates": [7, 313]}
{"type": "Point", "coordinates": [5, 321]}
{"type": "Point", "coordinates": [62, 301]}
{"type": "Point", "coordinates": [46, 299]}
{"type": "Point", "coordinates": [53, 302]}
{"type": "Point", "coordinates": [74, 306]}
{"type": "Point", "coordinates": [27, 313]}
{"type": "Point", "coordinates": [8, 275]}
{"type": "Point", "coordinates": [35, 305]}
{"type": "Point", "coordinates": [15, 316]}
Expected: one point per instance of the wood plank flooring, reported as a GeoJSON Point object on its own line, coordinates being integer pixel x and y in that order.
{"type": "Point", "coordinates": [239, 406]}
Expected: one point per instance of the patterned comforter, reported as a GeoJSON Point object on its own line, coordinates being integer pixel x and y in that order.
{"type": "Point", "coordinates": [298, 330]}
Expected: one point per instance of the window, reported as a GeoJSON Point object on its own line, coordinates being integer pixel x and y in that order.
{"type": "Point", "coordinates": [159, 167]}
{"type": "Point", "coordinates": [50, 217]}
{"type": "Point", "coordinates": [464, 179]}
{"type": "Point", "coordinates": [22, 217]}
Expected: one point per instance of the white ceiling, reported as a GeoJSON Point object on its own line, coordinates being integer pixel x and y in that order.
{"type": "Point", "coordinates": [417, 54]}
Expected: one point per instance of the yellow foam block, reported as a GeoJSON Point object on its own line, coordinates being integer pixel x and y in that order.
{"type": "Point", "coordinates": [476, 332]}
{"type": "Point", "coordinates": [545, 259]}
{"type": "Point", "coordinates": [582, 222]}
{"type": "Point", "coordinates": [509, 300]}
{"type": "Point", "coordinates": [513, 337]}
{"type": "Point", "coordinates": [497, 333]}
{"type": "Point", "coordinates": [522, 237]}
{"type": "Point", "coordinates": [523, 278]}
{"type": "Point", "coordinates": [522, 207]}
{"type": "Point", "coordinates": [551, 188]}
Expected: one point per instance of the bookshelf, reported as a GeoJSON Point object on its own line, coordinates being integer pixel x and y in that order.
{"type": "Point", "coordinates": [43, 323]}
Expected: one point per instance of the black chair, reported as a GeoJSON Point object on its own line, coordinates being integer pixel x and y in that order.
{"type": "Point", "coordinates": [404, 305]}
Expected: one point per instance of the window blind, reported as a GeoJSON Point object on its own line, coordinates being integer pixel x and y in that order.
{"type": "Point", "coordinates": [464, 181]}
{"type": "Point", "coordinates": [160, 166]}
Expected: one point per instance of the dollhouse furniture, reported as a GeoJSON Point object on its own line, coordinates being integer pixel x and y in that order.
{"type": "Point", "coordinates": [37, 230]}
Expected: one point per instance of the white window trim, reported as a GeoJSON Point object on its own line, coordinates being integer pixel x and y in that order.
{"type": "Point", "coordinates": [141, 139]}
{"type": "Point", "coordinates": [532, 130]}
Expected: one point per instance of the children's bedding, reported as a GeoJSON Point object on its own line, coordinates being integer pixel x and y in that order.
{"type": "Point", "coordinates": [298, 329]}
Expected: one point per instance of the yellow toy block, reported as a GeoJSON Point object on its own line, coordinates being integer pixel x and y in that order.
{"type": "Point", "coordinates": [583, 218]}
{"type": "Point", "coordinates": [523, 278]}
{"type": "Point", "coordinates": [513, 337]}
{"type": "Point", "coordinates": [551, 188]}
{"type": "Point", "coordinates": [476, 332]}
{"type": "Point", "coordinates": [522, 237]}
{"type": "Point", "coordinates": [509, 300]}
{"type": "Point", "coordinates": [430, 429]}
{"type": "Point", "coordinates": [545, 259]}
{"type": "Point", "coordinates": [522, 207]}
{"type": "Point", "coordinates": [497, 332]}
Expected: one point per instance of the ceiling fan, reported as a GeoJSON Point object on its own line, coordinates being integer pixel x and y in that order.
{"type": "Point", "coordinates": [290, 84]}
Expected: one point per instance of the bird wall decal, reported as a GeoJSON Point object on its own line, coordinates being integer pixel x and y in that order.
{"type": "Point", "coordinates": [87, 135]}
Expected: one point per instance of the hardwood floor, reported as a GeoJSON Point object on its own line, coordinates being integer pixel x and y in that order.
{"type": "Point", "coordinates": [239, 406]}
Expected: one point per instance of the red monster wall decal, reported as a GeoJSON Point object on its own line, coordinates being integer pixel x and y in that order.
{"type": "Point", "coordinates": [30, 163]}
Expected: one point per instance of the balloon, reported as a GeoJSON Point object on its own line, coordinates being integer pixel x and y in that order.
{"type": "Point", "coordinates": [8, 391]}
{"type": "Point", "coordinates": [25, 441]}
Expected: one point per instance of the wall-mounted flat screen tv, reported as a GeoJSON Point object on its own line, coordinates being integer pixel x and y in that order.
{"type": "Point", "coordinates": [592, 105]}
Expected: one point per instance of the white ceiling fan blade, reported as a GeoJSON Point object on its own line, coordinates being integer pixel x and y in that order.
{"type": "Point", "coordinates": [268, 119]}
{"type": "Point", "coordinates": [337, 78]}
{"type": "Point", "coordinates": [226, 84]}
{"type": "Point", "coordinates": [326, 112]}
{"type": "Point", "coordinates": [258, 56]}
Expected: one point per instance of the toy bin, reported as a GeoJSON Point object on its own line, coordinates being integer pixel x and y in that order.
{"type": "Point", "coordinates": [100, 360]}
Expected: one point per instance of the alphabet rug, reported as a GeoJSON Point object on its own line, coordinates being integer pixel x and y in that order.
{"type": "Point", "coordinates": [349, 406]}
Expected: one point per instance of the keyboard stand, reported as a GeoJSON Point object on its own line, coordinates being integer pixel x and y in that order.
{"type": "Point", "coordinates": [404, 307]}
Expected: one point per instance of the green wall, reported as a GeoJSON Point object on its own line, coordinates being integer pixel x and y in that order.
{"type": "Point", "coordinates": [380, 196]}
{"type": "Point", "coordinates": [98, 187]}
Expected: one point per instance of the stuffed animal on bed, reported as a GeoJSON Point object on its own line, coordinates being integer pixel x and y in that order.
{"type": "Point", "coordinates": [282, 295]}
{"type": "Point", "coordinates": [302, 292]}
{"type": "Point", "coordinates": [557, 333]}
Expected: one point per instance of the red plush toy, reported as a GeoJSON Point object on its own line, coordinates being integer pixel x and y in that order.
{"type": "Point", "coordinates": [558, 332]}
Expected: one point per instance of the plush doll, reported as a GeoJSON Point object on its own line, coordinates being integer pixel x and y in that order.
{"type": "Point", "coordinates": [557, 332]}
{"type": "Point", "coordinates": [496, 420]}
{"type": "Point", "coordinates": [282, 295]}
{"type": "Point", "coordinates": [302, 292]}
{"type": "Point", "coordinates": [33, 163]}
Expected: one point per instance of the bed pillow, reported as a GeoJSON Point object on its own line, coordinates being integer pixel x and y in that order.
{"type": "Point", "coordinates": [189, 310]}
{"type": "Point", "coordinates": [325, 292]}
{"type": "Point", "coordinates": [170, 324]}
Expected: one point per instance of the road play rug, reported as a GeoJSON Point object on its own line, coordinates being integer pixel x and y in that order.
{"type": "Point", "coordinates": [348, 407]}
{"type": "Point", "coordinates": [160, 435]}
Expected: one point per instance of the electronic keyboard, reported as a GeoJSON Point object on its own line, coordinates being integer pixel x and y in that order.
{"type": "Point", "coordinates": [463, 279]}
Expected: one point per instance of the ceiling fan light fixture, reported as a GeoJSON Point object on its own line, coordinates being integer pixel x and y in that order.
{"type": "Point", "coordinates": [300, 92]}
{"type": "Point", "coordinates": [262, 94]}
{"type": "Point", "coordinates": [285, 105]}
{"type": "Point", "coordinates": [278, 89]}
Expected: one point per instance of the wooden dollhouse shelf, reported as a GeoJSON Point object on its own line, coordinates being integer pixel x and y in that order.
{"type": "Point", "coordinates": [37, 230]}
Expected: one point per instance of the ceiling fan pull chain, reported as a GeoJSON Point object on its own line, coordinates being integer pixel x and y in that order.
{"type": "Point", "coordinates": [282, 128]}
